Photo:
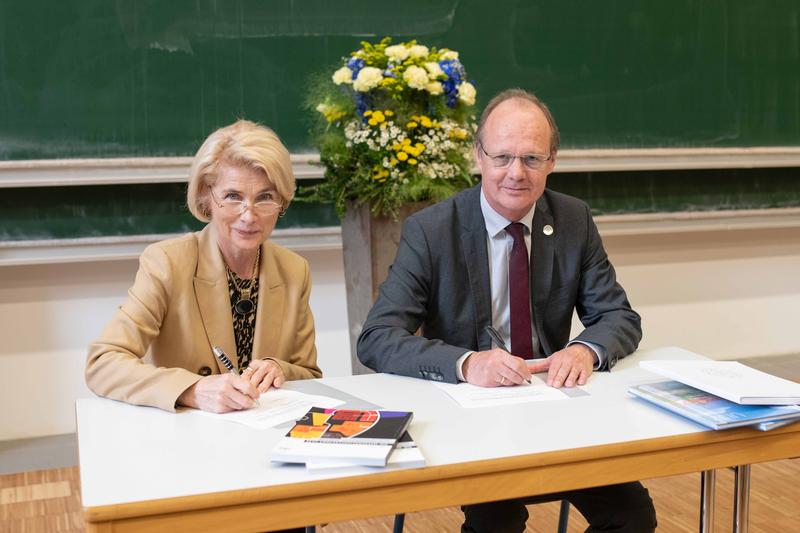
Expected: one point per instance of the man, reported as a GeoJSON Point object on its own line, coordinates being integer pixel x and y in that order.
{"type": "Point", "coordinates": [510, 254]}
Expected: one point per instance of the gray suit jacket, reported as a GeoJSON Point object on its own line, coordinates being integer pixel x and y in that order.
{"type": "Point", "coordinates": [439, 282]}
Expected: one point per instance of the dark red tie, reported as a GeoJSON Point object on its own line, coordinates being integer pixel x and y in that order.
{"type": "Point", "coordinates": [519, 294]}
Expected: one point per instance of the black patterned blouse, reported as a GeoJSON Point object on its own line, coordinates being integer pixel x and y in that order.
{"type": "Point", "coordinates": [243, 325]}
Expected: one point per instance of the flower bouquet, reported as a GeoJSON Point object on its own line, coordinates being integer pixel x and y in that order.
{"type": "Point", "coordinates": [395, 125]}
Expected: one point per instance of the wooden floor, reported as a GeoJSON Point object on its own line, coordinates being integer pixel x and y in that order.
{"type": "Point", "coordinates": [49, 501]}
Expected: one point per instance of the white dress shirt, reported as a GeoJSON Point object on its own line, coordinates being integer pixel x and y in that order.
{"type": "Point", "coordinates": [498, 245]}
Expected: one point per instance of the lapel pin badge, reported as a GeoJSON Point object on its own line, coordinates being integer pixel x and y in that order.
{"type": "Point", "coordinates": [547, 230]}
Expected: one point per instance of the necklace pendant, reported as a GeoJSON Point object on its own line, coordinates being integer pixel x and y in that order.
{"type": "Point", "coordinates": [244, 306]}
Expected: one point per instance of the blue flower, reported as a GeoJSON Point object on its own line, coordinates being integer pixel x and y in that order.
{"type": "Point", "coordinates": [455, 74]}
{"type": "Point", "coordinates": [453, 68]}
{"type": "Point", "coordinates": [362, 104]}
{"type": "Point", "coordinates": [355, 64]}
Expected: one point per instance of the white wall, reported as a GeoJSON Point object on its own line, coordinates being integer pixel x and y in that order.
{"type": "Point", "coordinates": [49, 314]}
{"type": "Point", "coordinates": [726, 294]}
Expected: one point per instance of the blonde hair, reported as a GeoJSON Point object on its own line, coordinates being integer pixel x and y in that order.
{"type": "Point", "coordinates": [243, 143]}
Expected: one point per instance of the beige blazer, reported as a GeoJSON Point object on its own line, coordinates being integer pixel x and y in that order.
{"type": "Point", "coordinates": [159, 342]}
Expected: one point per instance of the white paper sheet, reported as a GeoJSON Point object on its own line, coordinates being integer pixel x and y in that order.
{"type": "Point", "coordinates": [276, 406]}
{"type": "Point", "coordinates": [467, 395]}
{"type": "Point", "coordinates": [731, 380]}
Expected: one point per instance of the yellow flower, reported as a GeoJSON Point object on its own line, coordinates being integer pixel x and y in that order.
{"type": "Point", "coordinates": [434, 70]}
{"type": "Point", "coordinates": [406, 141]}
{"type": "Point", "coordinates": [331, 113]}
{"type": "Point", "coordinates": [446, 54]}
{"type": "Point", "coordinates": [425, 121]}
{"type": "Point", "coordinates": [434, 88]}
{"type": "Point", "coordinates": [420, 147]}
{"type": "Point", "coordinates": [343, 75]}
{"type": "Point", "coordinates": [380, 175]}
{"type": "Point", "coordinates": [411, 125]}
{"type": "Point", "coordinates": [459, 133]}
{"type": "Point", "coordinates": [412, 161]}
{"type": "Point", "coordinates": [416, 77]}
{"type": "Point", "coordinates": [368, 78]}
{"type": "Point", "coordinates": [402, 156]}
{"type": "Point", "coordinates": [418, 51]}
{"type": "Point", "coordinates": [397, 52]}
{"type": "Point", "coordinates": [411, 150]}
{"type": "Point", "coordinates": [466, 93]}
{"type": "Point", "coordinates": [393, 162]}
{"type": "Point", "coordinates": [388, 113]}
{"type": "Point", "coordinates": [376, 118]}
{"type": "Point", "coordinates": [367, 113]}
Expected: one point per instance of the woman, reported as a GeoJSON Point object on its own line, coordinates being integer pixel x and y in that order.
{"type": "Point", "coordinates": [224, 286]}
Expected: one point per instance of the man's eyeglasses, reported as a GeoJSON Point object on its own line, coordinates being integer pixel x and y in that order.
{"type": "Point", "coordinates": [233, 203]}
{"type": "Point", "coordinates": [531, 161]}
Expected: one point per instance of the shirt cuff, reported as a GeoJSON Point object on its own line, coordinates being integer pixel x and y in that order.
{"type": "Point", "coordinates": [599, 351]}
{"type": "Point", "coordinates": [459, 366]}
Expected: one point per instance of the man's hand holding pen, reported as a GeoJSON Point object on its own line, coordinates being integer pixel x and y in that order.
{"type": "Point", "coordinates": [568, 367]}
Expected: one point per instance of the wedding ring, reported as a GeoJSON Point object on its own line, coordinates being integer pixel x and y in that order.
{"type": "Point", "coordinates": [502, 380]}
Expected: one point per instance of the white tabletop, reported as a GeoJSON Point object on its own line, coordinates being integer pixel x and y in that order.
{"type": "Point", "coordinates": [130, 454]}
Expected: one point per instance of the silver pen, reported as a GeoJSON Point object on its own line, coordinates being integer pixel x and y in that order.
{"type": "Point", "coordinates": [498, 340]}
{"type": "Point", "coordinates": [220, 354]}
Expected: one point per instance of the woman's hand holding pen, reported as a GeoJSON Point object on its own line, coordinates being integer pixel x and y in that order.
{"type": "Point", "coordinates": [265, 373]}
{"type": "Point", "coordinates": [220, 393]}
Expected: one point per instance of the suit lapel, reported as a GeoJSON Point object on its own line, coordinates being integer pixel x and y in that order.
{"type": "Point", "coordinates": [476, 259]}
{"type": "Point", "coordinates": [271, 299]}
{"type": "Point", "coordinates": [213, 299]}
{"type": "Point", "coordinates": [542, 257]}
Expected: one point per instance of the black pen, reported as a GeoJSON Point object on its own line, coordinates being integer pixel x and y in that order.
{"type": "Point", "coordinates": [498, 340]}
{"type": "Point", "coordinates": [227, 362]}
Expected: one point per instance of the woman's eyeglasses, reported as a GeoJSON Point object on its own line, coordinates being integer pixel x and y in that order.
{"type": "Point", "coordinates": [233, 203]}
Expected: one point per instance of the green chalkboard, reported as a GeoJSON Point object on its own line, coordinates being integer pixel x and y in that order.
{"type": "Point", "coordinates": [95, 211]}
{"type": "Point", "coordinates": [117, 210]}
{"type": "Point", "coordinates": [109, 78]}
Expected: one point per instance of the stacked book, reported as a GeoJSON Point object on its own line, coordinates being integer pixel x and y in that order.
{"type": "Point", "coordinates": [327, 439]}
{"type": "Point", "coordinates": [722, 394]}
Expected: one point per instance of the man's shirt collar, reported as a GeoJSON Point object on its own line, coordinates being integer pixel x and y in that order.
{"type": "Point", "coordinates": [495, 222]}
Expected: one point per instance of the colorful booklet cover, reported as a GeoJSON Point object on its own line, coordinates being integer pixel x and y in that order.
{"type": "Point", "coordinates": [343, 435]}
{"type": "Point", "coordinates": [730, 380]}
{"type": "Point", "coordinates": [405, 455]}
{"type": "Point", "coordinates": [710, 410]}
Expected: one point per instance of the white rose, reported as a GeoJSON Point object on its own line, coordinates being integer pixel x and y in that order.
{"type": "Point", "coordinates": [343, 75]}
{"type": "Point", "coordinates": [418, 50]}
{"type": "Point", "coordinates": [434, 70]}
{"type": "Point", "coordinates": [398, 52]}
{"type": "Point", "coordinates": [415, 77]}
{"type": "Point", "coordinates": [466, 93]}
{"type": "Point", "coordinates": [434, 88]}
{"type": "Point", "coordinates": [448, 54]}
{"type": "Point", "coordinates": [368, 78]}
